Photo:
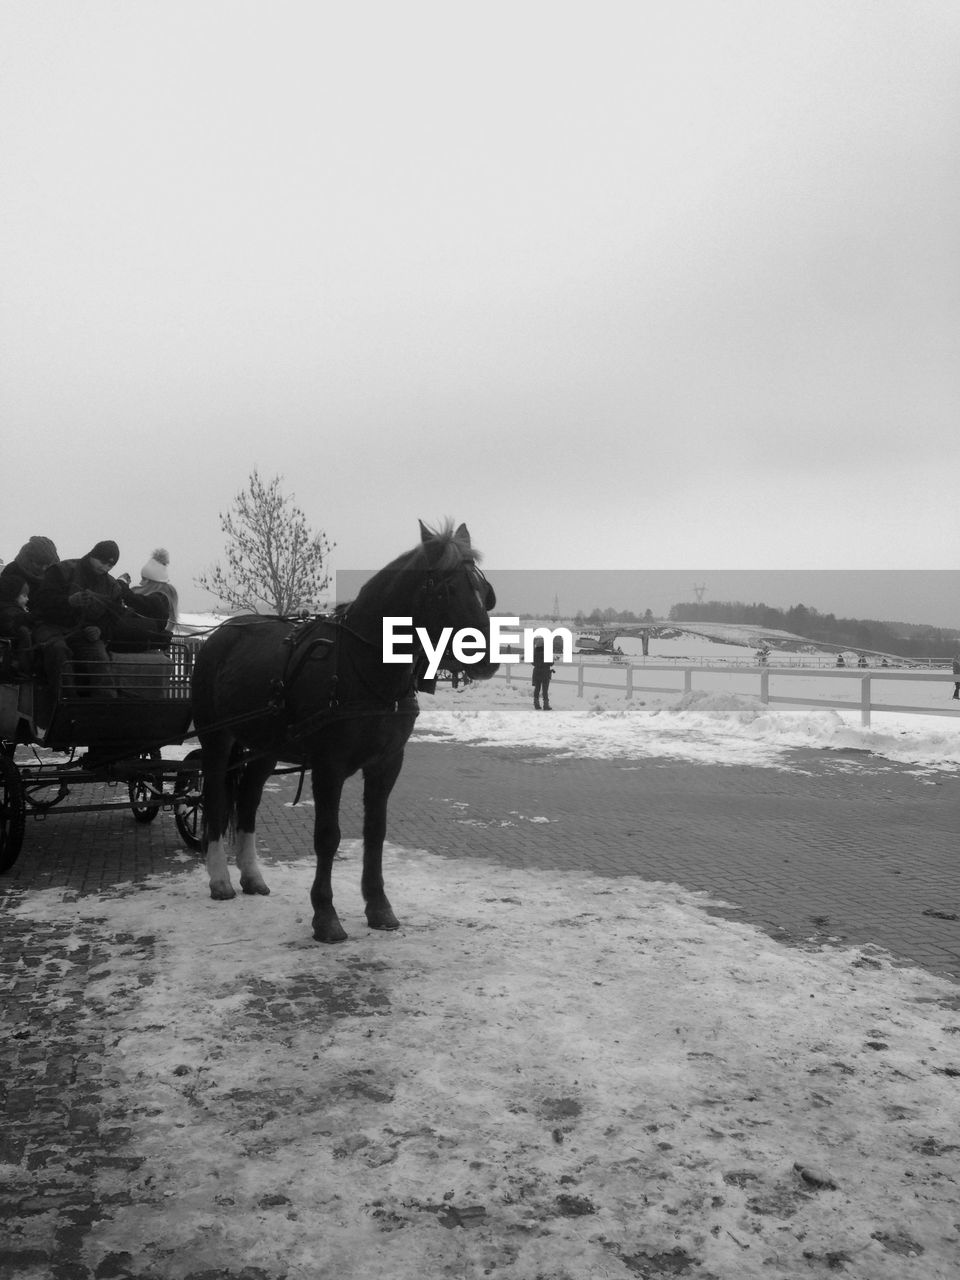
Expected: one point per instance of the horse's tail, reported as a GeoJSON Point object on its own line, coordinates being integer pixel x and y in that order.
{"type": "Point", "coordinates": [203, 679]}
{"type": "Point", "coordinates": [223, 769]}
{"type": "Point", "coordinates": [234, 774]}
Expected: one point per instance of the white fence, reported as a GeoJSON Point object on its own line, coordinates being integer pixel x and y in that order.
{"type": "Point", "coordinates": [762, 681]}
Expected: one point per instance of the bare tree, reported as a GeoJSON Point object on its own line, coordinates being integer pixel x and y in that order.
{"type": "Point", "coordinates": [275, 563]}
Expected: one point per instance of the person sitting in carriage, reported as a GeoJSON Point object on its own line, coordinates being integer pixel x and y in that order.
{"type": "Point", "coordinates": [149, 610]}
{"type": "Point", "coordinates": [17, 579]}
{"type": "Point", "coordinates": [75, 609]}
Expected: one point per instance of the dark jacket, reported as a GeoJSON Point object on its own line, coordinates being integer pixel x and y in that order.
{"type": "Point", "coordinates": [142, 623]}
{"type": "Point", "coordinates": [541, 662]}
{"type": "Point", "coordinates": [542, 670]}
{"type": "Point", "coordinates": [153, 605]}
{"type": "Point", "coordinates": [56, 599]}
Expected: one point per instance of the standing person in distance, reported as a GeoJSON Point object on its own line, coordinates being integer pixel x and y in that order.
{"type": "Point", "coordinates": [542, 671]}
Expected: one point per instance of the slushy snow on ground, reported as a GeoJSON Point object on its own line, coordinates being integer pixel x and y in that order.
{"type": "Point", "coordinates": [539, 1075]}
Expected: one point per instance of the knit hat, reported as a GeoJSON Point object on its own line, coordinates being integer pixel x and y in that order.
{"type": "Point", "coordinates": [37, 554]}
{"type": "Point", "coordinates": [155, 570]}
{"type": "Point", "coordinates": [106, 551]}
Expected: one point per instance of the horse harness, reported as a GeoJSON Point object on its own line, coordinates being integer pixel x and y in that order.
{"type": "Point", "coordinates": [302, 643]}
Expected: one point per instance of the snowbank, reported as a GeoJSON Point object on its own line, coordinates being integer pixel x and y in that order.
{"type": "Point", "coordinates": [710, 727]}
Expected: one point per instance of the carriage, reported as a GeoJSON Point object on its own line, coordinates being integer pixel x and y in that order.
{"type": "Point", "coordinates": [52, 747]}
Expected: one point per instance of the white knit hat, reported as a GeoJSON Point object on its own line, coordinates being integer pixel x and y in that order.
{"type": "Point", "coordinates": [155, 570]}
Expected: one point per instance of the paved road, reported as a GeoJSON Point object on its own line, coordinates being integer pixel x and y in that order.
{"type": "Point", "coordinates": [840, 847]}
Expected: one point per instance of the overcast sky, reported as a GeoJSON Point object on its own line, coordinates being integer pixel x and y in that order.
{"type": "Point", "coordinates": [666, 284]}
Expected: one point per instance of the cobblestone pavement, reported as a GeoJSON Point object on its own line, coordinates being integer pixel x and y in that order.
{"type": "Point", "coordinates": [842, 847]}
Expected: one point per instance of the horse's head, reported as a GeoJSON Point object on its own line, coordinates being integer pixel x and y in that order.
{"type": "Point", "coordinates": [440, 588]}
{"type": "Point", "coordinates": [453, 593]}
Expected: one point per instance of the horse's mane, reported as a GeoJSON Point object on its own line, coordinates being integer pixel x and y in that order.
{"type": "Point", "coordinates": [441, 549]}
{"type": "Point", "coordinates": [454, 550]}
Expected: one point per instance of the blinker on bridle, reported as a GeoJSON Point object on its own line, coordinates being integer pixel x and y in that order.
{"type": "Point", "coordinates": [442, 587]}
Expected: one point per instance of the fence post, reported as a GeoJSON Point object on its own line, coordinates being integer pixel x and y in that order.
{"type": "Point", "coordinates": [506, 671]}
{"type": "Point", "coordinates": [764, 686]}
{"type": "Point", "coordinates": [580, 680]}
{"type": "Point", "coordinates": [865, 701]}
{"type": "Point", "coordinates": [687, 679]}
{"type": "Point", "coordinates": [629, 682]}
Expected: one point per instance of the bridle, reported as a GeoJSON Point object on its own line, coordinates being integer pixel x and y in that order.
{"type": "Point", "coordinates": [437, 589]}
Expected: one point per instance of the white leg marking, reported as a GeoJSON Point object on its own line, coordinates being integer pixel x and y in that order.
{"type": "Point", "coordinates": [251, 879]}
{"type": "Point", "coordinates": [218, 871]}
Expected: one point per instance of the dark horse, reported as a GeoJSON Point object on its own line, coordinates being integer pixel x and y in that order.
{"type": "Point", "coordinates": [320, 694]}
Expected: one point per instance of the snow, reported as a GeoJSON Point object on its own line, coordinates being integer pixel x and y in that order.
{"type": "Point", "coordinates": [702, 726]}
{"type": "Point", "coordinates": [720, 721]}
{"type": "Point", "coordinates": [538, 1075]}
{"type": "Point", "coordinates": [198, 623]}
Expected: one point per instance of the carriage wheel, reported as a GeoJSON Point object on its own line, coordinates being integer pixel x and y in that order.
{"type": "Point", "coordinates": [142, 788]}
{"type": "Point", "coordinates": [13, 812]}
{"type": "Point", "coordinates": [188, 800]}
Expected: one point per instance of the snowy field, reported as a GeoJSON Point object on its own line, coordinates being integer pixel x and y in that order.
{"type": "Point", "coordinates": [561, 1077]}
{"type": "Point", "coordinates": [721, 721]}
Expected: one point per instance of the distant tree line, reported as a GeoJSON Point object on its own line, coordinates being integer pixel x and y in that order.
{"type": "Point", "coordinates": [907, 640]}
{"type": "Point", "coordinates": [604, 617]}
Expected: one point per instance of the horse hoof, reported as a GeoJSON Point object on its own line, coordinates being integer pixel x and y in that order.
{"type": "Point", "coordinates": [329, 935]}
{"type": "Point", "coordinates": [254, 886]}
{"type": "Point", "coordinates": [383, 921]}
{"type": "Point", "coordinates": [222, 893]}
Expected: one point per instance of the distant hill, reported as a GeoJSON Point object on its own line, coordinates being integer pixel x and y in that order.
{"type": "Point", "coordinates": [904, 639]}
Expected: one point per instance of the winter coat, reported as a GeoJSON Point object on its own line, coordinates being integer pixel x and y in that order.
{"type": "Point", "coordinates": [142, 623]}
{"type": "Point", "coordinates": [72, 594]}
{"type": "Point", "coordinates": [540, 659]}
